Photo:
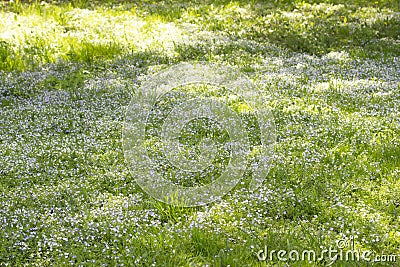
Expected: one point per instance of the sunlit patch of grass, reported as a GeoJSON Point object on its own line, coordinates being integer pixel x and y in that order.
{"type": "Point", "coordinates": [48, 33]}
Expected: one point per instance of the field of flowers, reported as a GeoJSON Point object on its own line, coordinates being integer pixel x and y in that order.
{"type": "Point", "coordinates": [329, 72]}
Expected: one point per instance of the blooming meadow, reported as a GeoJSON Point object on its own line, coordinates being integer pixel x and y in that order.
{"type": "Point", "coordinates": [328, 72]}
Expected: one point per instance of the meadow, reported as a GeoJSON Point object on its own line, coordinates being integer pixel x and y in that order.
{"type": "Point", "coordinates": [329, 72]}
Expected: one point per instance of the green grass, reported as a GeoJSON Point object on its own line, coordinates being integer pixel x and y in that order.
{"type": "Point", "coordinates": [329, 73]}
{"type": "Point", "coordinates": [37, 33]}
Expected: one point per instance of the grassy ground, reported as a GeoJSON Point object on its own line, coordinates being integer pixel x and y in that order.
{"type": "Point", "coordinates": [329, 72]}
